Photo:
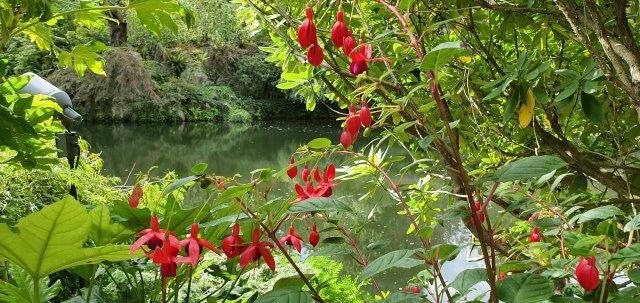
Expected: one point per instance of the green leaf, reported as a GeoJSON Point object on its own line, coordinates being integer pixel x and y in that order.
{"type": "Point", "coordinates": [156, 15]}
{"type": "Point", "coordinates": [104, 232]}
{"type": "Point", "coordinates": [627, 255]}
{"type": "Point", "coordinates": [568, 91]}
{"type": "Point", "coordinates": [525, 288]}
{"type": "Point", "coordinates": [177, 219]}
{"type": "Point", "coordinates": [177, 184]}
{"type": "Point", "coordinates": [514, 266]}
{"type": "Point", "coordinates": [396, 259]}
{"type": "Point", "coordinates": [633, 224]}
{"type": "Point", "coordinates": [319, 204]}
{"type": "Point", "coordinates": [512, 104]}
{"type": "Point", "coordinates": [401, 297]}
{"type": "Point", "coordinates": [288, 85]}
{"type": "Point", "coordinates": [233, 192]}
{"type": "Point", "coordinates": [526, 168]}
{"type": "Point", "coordinates": [51, 240]}
{"type": "Point", "coordinates": [199, 169]}
{"type": "Point", "coordinates": [319, 143]}
{"type": "Point", "coordinates": [600, 213]}
{"type": "Point", "coordinates": [634, 275]}
{"type": "Point", "coordinates": [444, 252]}
{"type": "Point", "coordinates": [441, 54]}
{"type": "Point", "coordinates": [195, 196]}
{"type": "Point", "coordinates": [83, 57]}
{"type": "Point", "coordinates": [134, 218]}
{"type": "Point", "coordinates": [468, 278]}
{"type": "Point", "coordinates": [285, 295]}
{"type": "Point", "coordinates": [592, 108]}
{"type": "Point", "coordinates": [22, 291]}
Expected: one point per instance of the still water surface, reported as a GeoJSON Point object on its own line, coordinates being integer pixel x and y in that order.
{"type": "Point", "coordinates": [242, 149]}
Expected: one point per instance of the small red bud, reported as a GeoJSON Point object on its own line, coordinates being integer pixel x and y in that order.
{"type": "Point", "coordinates": [345, 139]}
{"type": "Point", "coordinates": [292, 172]}
{"type": "Point", "coordinates": [314, 236]}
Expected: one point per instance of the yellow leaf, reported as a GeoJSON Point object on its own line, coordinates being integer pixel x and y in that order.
{"type": "Point", "coordinates": [465, 59]}
{"type": "Point", "coordinates": [526, 110]}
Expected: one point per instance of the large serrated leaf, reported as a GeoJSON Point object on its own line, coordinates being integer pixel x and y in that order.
{"type": "Point", "coordinates": [526, 168]}
{"type": "Point", "coordinates": [51, 240]}
{"type": "Point", "coordinates": [319, 204]}
{"type": "Point", "coordinates": [396, 259]}
{"type": "Point", "coordinates": [468, 278]}
{"type": "Point", "coordinates": [103, 231]}
{"type": "Point", "coordinates": [285, 295]}
{"type": "Point", "coordinates": [525, 288]}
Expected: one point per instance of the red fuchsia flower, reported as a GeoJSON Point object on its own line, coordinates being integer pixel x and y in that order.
{"type": "Point", "coordinates": [339, 30]}
{"type": "Point", "coordinates": [315, 55]}
{"type": "Point", "coordinates": [193, 245]}
{"type": "Point", "coordinates": [167, 257]}
{"type": "Point", "coordinates": [365, 115]}
{"type": "Point", "coordinates": [307, 32]}
{"type": "Point", "coordinates": [292, 239]}
{"type": "Point", "coordinates": [327, 179]}
{"type": "Point", "coordinates": [232, 244]}
{"type": "Point", "coordinates": [587, 274]}
{"type": "Point", "coordinates": [309, 192]}
{"type": "Point", "coordinates": [325, 184]}
{"type": "Point", "coordinates": [348, 44]}
{"type": "Point", "coordinates": [292, 172]}
{"type": "Point", "coordinates": [153, 237]}
{"type": "Point", "coordinates": [502, 276]}
{"type": "Point", "coordinates": [535, 235]}
{"type": "Point", "coordinates": [359, 58]}
{"type": "Point", "coordinates": [314, 236]}
{"type": "Point", "coordinates": [345, 139]}
{"type": "Point", "coordinates": [306, 173]}
{"type": "Point", "coordinates": [136, 194]}
{"type": "Point", "coordinates": [257, 250]}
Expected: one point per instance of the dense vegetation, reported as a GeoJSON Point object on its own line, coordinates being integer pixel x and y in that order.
{"type": "Point", "coordinates": [518, 119]}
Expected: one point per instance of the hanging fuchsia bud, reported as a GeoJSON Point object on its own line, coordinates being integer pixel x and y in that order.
{"type": "Point", "coordinates": [305, 173]}
{"type": "Point", "coordinates": [315, 55]}
{"type": "Point", "coordinates": [292, 172]}
{"type": "Point", "coordinates": [314, 236]}
{"type": "Point", "coordinates": [307, 32]}
{"type": "Point", "coordinates": [365, 115]}
{"type": "Point", "coordinates": [587, 274]}
{"type": "Point", "coordinates": [339, 30]}
{"type": "Point", "coordinates": [348, 44]}
{"type": "Point", "coordinates": [345, 139]}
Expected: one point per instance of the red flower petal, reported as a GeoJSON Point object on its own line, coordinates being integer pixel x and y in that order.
{"type": "Point", "coordinates": [247, 255]}
{"type": "Point", "coordinates": [315, 56]}
{"type": "Point", "coordinates": [307, 33]}
{"type": "Point", "coordinates": [136, 245]}
{"type": "Point", "coordinates": [268, 258]}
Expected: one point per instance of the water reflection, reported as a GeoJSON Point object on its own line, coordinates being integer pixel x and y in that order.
{"type": "Point", "coordinates": [241, 150]}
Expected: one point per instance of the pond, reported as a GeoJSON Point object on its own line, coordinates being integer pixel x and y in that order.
{"type": "Point", "coordinates": [178, 147]}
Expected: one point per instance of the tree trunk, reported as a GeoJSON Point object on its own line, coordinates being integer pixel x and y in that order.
{"type": "Point", "coordinates": [118, 28]}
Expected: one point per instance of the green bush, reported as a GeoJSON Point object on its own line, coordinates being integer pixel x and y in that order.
{"type": "Point", "coordinates": [340, 287]}
{"type": "Point", "coordinates": [23, 191]}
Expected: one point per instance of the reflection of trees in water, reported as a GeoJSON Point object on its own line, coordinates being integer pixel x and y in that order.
{"type": "Point", "coordinates": [227, 150]}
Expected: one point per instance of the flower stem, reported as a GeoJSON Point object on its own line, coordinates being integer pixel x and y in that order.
{"type": "Point", "coordinates": [233, 285]}
{"type": "Point", "coordinates": [189, 284]}
{"type": "Point", "coordinates": [36, 290]}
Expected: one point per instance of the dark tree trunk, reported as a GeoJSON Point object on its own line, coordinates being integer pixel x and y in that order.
{"type": "Point", "coordinates": [118, 28]}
